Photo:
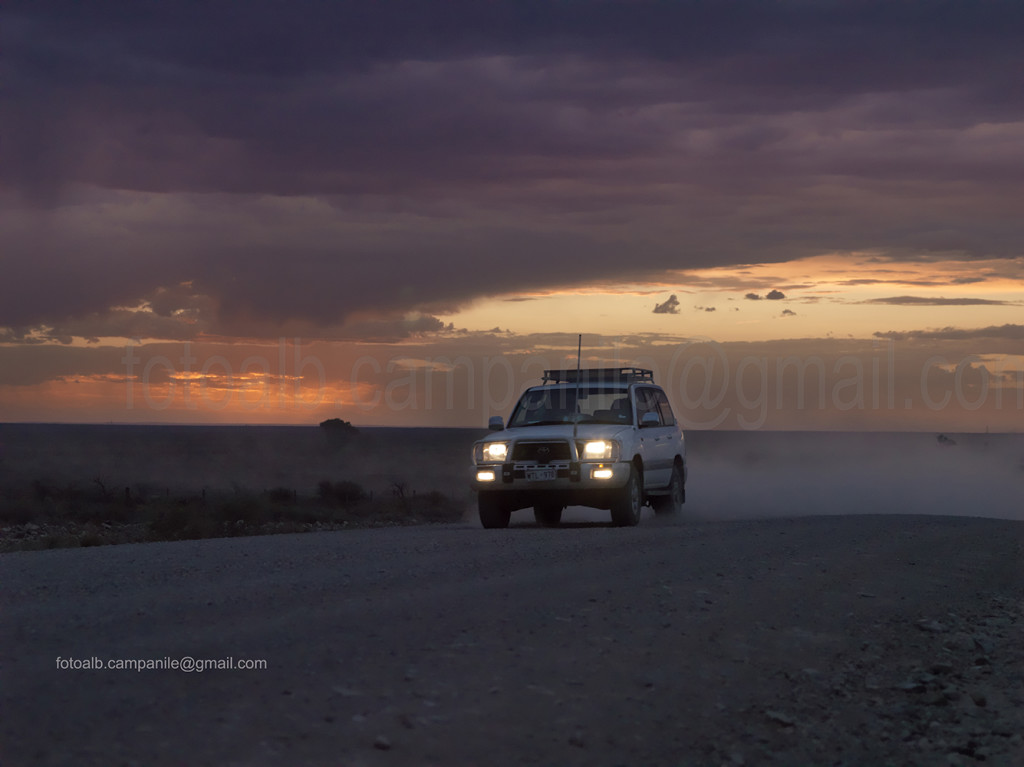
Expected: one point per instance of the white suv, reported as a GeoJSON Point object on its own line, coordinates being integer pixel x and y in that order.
{"type": "Point", "coordinates": [602, 437]}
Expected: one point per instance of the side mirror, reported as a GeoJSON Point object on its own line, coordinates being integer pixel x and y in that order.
{"type": "Point", "coordinates": [495, 423]}
{"type": "Point", "coordinates": [649, 419]}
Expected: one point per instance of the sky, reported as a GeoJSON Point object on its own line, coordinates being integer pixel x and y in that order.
{"type": "Point", "coordinates": [799, 214]}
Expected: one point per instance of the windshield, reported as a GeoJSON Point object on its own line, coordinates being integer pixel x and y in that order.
{"type": "Point", "coordinates": [559, 405]}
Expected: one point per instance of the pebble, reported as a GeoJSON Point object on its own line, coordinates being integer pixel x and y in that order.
{"type": "Point", "coordinates": [983, 643]}
{"type": "Point", "coordinates": [960, 641]}
{"type": "Point", "coordinates": [780, 718]}
{"type": "Point", "coordinates": [998, 622]}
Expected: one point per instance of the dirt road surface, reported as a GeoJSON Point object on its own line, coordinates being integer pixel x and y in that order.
{"type": "Point", "coordinates": [828, 640]}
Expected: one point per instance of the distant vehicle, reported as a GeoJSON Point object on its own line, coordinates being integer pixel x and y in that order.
{"type": "Point", "coordinates": [602, 437]}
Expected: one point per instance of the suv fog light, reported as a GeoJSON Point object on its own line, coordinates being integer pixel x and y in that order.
{"type": "Point", "coordinates": [601, 473]}
{"type": "Point", "coordinates": [485, 476]}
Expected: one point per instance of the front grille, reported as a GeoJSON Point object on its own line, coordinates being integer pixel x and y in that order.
{"type": "Point", "coordinates": [561, 472]}
{"type": "Point", "coordinates": [541, 452]}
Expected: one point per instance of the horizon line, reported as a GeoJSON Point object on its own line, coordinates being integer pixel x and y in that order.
{"type": "Point", "coordinates": [475, 428]}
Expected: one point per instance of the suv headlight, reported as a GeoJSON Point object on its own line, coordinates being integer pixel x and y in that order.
{"type": "Point", "coordinates": [490, 452]}
{"type": "Point", "coordinates": [598, 450]}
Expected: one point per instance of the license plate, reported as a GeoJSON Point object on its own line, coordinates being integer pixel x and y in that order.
{"type": "Point", "coordinates": [539, 475]}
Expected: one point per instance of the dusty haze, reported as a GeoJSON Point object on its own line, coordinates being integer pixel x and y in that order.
{"type": "Point", "coordinates": [733, 475]}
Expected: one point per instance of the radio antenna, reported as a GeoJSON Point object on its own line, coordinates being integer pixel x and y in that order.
{"type": "Point", "coordinates": [576, 416]}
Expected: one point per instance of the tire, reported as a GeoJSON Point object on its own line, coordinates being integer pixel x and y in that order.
{"type": "Point", "coordinates": [628, 502]}
{"type": "Point", "coordinates": [673, 502]}
{"type": "Point", "coordinates": [547, 515]}
{"type": "Point", "coordinates": [492, 513]}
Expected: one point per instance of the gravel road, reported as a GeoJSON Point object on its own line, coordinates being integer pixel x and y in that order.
{"type": "Point", "coordinates": [818, 640]}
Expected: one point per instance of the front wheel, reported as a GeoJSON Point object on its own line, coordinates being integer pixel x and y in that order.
{"type": "Point", "coordinates": [627, 504]}
{"type": "Point", "coordinates": [493, 514]}
{"type": "Point", "coordinates": [673, 502]}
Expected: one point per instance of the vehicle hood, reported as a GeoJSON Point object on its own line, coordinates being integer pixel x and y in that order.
{"type": "Point", "coordinates": [559, 431]}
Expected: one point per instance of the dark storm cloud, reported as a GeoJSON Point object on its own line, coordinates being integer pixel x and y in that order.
{"type": "Point", "coordinates": [669, 306]}
{"type": "Point", "coordinates": [309, 160]}
{"type": "Point", "coordinates": [28, 365]}
{"type": "Point", "coordinates": [1002, 332]}
{"type": "Point", "coordinates": [916, 283]}
{"type": "Point", "coordinates": [775, 295]}
{"type": "Point", "coordinates": [929, 301]}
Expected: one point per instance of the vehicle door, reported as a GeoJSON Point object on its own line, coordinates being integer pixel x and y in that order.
{"type": "Point", "coordinates": [656, 438]}
{"type": "Point", "coordinates": [669, 419]}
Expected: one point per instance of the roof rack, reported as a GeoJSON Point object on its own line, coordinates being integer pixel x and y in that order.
{"type": "Point", "coordinates": [599, 375]}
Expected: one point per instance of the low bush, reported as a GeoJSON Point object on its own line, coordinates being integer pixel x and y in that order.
{"type": "Point", "coordinates": [282, 495]}
{"type": "Point", "coordinates": [179, 522]}
{"type": "Point", "coordinates": [241, 509]}
{"type": "Point", "coordinates": [343, 493]}
{"type": "Point", "coordinates": [17, 513]}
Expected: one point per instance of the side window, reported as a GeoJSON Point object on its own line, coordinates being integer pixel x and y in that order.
{"type": "Point", "coordinates": [646, 403]}
{"type": "Point", "coordinates": [667, 417]}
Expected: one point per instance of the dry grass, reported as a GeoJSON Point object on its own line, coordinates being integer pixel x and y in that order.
{"type": "Point", "coordinates": [92, 485]}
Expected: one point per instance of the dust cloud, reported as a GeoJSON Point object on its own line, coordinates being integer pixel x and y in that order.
{"type": "Point", "coordinates": [747, 475]}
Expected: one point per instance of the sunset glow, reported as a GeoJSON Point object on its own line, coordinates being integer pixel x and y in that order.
{"type": "Point", "coordinates": [826, 295]}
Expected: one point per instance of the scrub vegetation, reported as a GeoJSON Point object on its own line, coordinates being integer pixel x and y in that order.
{"type": "Point", "coordinates": [66, 516]}
{"type": "Point", "coordinates": [68, 486]}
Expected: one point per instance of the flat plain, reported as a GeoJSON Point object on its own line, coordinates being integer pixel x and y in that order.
{"type": "Point", "coordinates": [823, 599]}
